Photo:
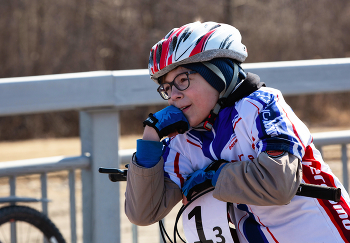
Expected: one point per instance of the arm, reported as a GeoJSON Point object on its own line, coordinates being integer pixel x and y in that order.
{"type": "Point", "coordinates": [149, 196]}
{"type": "Point", "coordinates": [263, 181]}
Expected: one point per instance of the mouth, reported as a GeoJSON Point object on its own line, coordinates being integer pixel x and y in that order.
{"type": "Point", "coordinates": [184, 108]}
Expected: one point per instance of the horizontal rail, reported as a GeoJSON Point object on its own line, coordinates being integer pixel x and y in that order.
{"type": "Point", "coordinates": [43, 165]}
{"type": "Point", "coordinates": [331, 138]}
{"type": "Point", "coordinates": [128, 88]}
{"type": "Point", "coordinates": [125, 155]}
{"type": "Point", "coordinates": [58, 163]}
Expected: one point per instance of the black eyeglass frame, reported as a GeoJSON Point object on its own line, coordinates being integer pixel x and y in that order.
{"type": "Point", "coordinates": [174, 84]}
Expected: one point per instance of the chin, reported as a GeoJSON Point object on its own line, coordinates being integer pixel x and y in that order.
{"type": "Point", "coordinates": [194, 124]}
{"type": "Point", "coordinates": [191, 124]}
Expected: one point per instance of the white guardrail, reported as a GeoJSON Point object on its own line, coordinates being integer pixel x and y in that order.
{"type": "Point", "coordinates": [100, 95]}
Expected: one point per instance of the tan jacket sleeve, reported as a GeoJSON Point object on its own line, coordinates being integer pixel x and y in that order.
{"type": "Point", "coordinates": [263, 181]}
{"type": "Point", "coordinates": [149, 196]}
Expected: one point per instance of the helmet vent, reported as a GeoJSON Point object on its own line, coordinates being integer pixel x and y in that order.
{"type": "Point", "coordinates": [214, 27]}
{"type": "Point", "coordinates": [172, 45]}
{"type": "Point", "coordinates": [224, 42]}
{"type": "Point", "coordinates": [159, 53]}
{"type": "Point", "coordinates": [151, 57]}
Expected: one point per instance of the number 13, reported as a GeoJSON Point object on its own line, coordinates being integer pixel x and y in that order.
{"type": "Point", "coordinates": [196, 212]}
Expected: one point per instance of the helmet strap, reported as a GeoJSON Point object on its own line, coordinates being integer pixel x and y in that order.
{"type": "Point", "coordinates": [209, 121]}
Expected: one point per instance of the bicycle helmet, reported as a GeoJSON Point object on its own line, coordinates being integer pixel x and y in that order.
{"type": "Point", "coordinates": [195, 42]}
{"type": "Point", "coordinates": [207, 48]}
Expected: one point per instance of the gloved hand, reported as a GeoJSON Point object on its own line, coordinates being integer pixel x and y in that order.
{"type": "Point", "coordinates": [168, 120]}
{"type": "Point", "coordinates": [202, 179]}
{"type": "Point", "coordinates": [196, 182]}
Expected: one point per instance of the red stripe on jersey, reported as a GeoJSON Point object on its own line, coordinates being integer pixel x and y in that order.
{"type": "Point", "coordinates": [177, 169]}
{"type": "Point", "coordinates": [239, 224]}
{"type": "Point", "coordinates": [294, 130]}
{"type": "Point", "coordinates": [255, 106]}
{"type": "Point", "coordinates": [267, 228]}
{"type": "Point", "coordinates": [273, 237]}
{"type": "Point", "coordinates": [237, 122]}
{"type": "Point", "coordinates": [338, 212]}
{"type": "Point", "coordinates": [193, 143]}
{"type": "Point", "coordinates": [309, 157]}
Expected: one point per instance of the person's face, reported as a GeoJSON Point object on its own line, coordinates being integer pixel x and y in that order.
{"type": "Point", "coordinates": [197, 100]}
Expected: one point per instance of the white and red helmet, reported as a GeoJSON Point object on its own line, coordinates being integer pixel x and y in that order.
{"type": "Point", "coordinates": [195, 42]}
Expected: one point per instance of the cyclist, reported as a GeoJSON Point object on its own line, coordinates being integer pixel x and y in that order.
{"type": "Point", "coordinates": [226, 130]}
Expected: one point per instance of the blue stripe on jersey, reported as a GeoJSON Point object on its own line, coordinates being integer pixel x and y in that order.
{"type": "Point", "coordinates": [166, 151]}
{"type": "Point", "coordinates": [196, 135]}
{"type": "Point", "coordinates": [252, 229]}
{"type": "Point", "coordinates": [166, 141]}
{"type": "Point", "coordinates": [205, 137]}
{"type": "Point", "coordinates": [194, 138]}
{"type": "Point", "coordinates": [166, 175]}
{"type": "Point", "coordinates": [262, 97]}
{"type": "Point", "coordinates": [165, 154]}
{"type": "Point", "coordinates": [274, 132]}
{"type": "Point", "coordinates": [223, 124]}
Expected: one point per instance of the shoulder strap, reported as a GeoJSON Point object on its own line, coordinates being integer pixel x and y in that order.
{"type": "Point", "coordinates": [248, 86]}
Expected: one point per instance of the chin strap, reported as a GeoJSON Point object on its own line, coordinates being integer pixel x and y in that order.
{"type": "Point", "coordinates": [209, 121]}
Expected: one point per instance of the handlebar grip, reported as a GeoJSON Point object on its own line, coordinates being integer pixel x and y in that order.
{"type": "Point", "coordinates": [114, 174]}
{"type": "Point", "coordinates": [110, 170]}
{"type": "Point", "coordinates": [116, 177]}
{"type": "Point", "coordinates": [321, 192]}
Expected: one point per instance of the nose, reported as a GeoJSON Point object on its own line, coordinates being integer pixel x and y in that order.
{"type": "Point", "coordinates": [175, 93]}
{"type": "Point", "coordinates": [175, 96]}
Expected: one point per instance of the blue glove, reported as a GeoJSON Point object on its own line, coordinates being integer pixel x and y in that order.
{"type": "Point", "coordinates": [202, 179]}
{"type": "Point", "coordinates": [168, 120]}
{"type": "Point", "coordinates": [198, 181]}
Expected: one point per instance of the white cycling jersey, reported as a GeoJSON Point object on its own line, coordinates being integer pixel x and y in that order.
{"type": "Point", "coordinates": [259, 122]}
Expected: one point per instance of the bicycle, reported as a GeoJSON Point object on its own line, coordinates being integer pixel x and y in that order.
{"type": "Point", "coordinates": [306, 190]}
{"type": "Point", "coordinates": [25, 224]}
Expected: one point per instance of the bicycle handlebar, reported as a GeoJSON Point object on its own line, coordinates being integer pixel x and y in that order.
{"type": "Point", "coordinates": [114, 174]}
{"type": "Point", "coordinates": [306, 190]}
{"type": "Point", "coordinates": [321, 192]}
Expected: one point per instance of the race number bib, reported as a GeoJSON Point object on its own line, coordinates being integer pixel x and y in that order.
{"type": "Point", "coordinates": [205, 221]}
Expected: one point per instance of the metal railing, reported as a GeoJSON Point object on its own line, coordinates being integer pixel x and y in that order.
{"type": "Point", "coordinates": [332, 138]}
{"type": "Point", "coordinates": [100, 95]}
{"type": "Point", "coordinates": [42, 166]}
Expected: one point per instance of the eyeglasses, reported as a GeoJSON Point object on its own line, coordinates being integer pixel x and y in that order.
{"type": "Point", "coordinates": [181, 82]}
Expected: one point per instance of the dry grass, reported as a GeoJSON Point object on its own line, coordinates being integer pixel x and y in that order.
{"type": "Point", "coordinates": [58, 190]}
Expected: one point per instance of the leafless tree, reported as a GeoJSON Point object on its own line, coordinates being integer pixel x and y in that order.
{"type": "Point", "coordinates": [47, 37]}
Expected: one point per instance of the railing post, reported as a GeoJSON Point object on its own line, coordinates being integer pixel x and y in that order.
{"type": "Point", "coordinates": [99, 133]}
{"type": "Point", "coordinates": [13, 229]}
{"type": "Point", "coordinates": [134, 233]}
{"type": "Point", "coordinates": [73, 225]}
{"type": "Point", "coordinates": [43, 180]}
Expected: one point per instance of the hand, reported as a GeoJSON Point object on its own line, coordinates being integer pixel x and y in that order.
{"type": "Point", "coordinates": [202, 179]}
{"type": "Point", "coordinates": [197, 181]}
{"type": "Point", "coordinates": [170, 120]}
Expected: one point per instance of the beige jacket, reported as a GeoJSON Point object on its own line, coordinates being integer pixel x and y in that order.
{"type": "Point", "coordinates": [263, 181]}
